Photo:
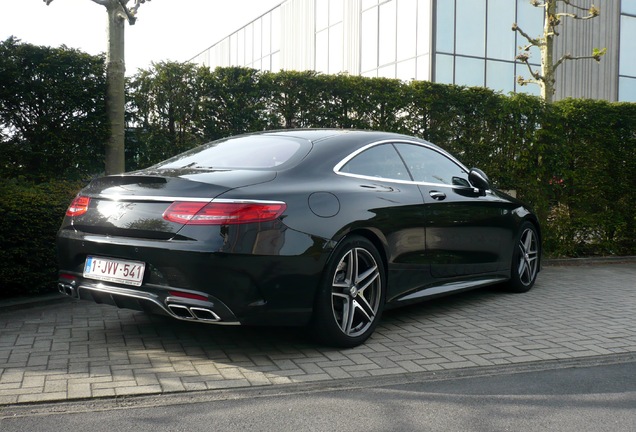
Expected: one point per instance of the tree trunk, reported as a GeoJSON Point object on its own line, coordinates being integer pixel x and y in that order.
{"type": "Point", "coordinates": [548, 82]}
{"type": "Point", "coordinates": [115, 100]}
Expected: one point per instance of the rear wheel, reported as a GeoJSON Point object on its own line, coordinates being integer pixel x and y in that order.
{"type": "Point", "coordinates": [351, 296]}
{"type": "Point", "coordinates": [525, 259]}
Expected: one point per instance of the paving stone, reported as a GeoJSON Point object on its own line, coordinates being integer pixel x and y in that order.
{"type": "Point", "coordinates": [79, 349]}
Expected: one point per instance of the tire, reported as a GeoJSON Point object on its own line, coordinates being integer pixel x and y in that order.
{"type": "Point", "coordinates": [351, 297]}
{"type": "Point", "coordinates": [525, 259]}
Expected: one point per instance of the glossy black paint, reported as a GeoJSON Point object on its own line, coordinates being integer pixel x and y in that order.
{"type": "Point", "coordinates": [432, 238]}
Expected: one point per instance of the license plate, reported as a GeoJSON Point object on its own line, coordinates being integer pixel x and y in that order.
{"type": "Point", "coordinates": [113, 270]}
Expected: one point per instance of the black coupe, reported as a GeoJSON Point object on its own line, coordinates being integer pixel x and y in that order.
{"type": "Point", "coordinates": [323, 228]}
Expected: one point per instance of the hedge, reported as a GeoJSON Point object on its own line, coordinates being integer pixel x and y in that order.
{"type": "Point", "coordinates": [573, 161]}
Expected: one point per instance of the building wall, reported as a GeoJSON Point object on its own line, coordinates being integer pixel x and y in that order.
{"type": "Point", "coordinates": [587, 78]}
{"type": "Point", "coordinates": [464, 42]}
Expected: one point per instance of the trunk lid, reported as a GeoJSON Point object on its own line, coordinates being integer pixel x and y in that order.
{"type": "Point", "coordinates": [132, 205]}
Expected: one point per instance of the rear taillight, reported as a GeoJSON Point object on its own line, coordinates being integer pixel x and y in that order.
{"type": "Point", "coordinates": [79, 206]}
{"type": "Point", "coordinates": [223, 213]}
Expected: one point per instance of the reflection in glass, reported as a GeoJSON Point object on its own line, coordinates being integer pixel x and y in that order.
{"type": "Point", "coordinates": [445, 33]}
{"type": "Point", "coordinates": [627, 64]}
{"type": "Point", "coordinates": [626, 89]}
{"type": "Point", "coordinates": [501, 39]}
{"type": "Point", "coordinates": [500, 76]}
{"type": "Point", "coordinates": [469, 71]}
{"type": "Point", "coordinates": [471, 27]}
{"type": "Point", "coordinates": [444, 69]}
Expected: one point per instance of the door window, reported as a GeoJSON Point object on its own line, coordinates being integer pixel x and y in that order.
{"type": "Point", "coordinates": [380, 161]}
{"type": "Point", "coordinates": [429, 166]}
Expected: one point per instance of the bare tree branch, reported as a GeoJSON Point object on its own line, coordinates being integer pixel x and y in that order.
{"type": "Point", "coordinates": [533, 41]}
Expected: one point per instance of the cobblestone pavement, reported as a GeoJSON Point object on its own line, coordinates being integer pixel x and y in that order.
{"type": "Point", "coordinates": [71, 350]}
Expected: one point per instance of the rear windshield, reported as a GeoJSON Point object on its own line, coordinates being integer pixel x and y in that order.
{"type": "Point", "coordinates": [242, 152]}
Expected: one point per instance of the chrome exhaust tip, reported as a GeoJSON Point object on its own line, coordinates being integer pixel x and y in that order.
{"type": "Point", "coordinates": [204, 314]}
{"type": "Point", "coordinates": [181, 311]}
{"type": "Point", "coordinates": [67, 289]}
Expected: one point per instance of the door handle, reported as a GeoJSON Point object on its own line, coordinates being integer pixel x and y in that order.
{"type": "Point", "coordinates": [437, 195]}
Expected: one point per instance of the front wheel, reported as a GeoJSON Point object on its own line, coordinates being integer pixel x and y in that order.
{"type": "Point", "coordinates": [351, 296]}
{"type": "Point", "coordinates": [525, 259]}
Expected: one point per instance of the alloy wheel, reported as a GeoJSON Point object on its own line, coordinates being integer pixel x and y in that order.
{"type": "Point", "coordinates": [356, 292]}
{"type": "Point", "coordinates": [528, 257]}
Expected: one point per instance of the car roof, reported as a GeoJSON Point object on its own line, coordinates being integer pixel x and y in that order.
{"type": "Point", "coordinates": [316, 135]}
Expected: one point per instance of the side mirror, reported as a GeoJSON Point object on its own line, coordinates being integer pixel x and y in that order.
{"type": "Point", "coordinates": [479, 179]}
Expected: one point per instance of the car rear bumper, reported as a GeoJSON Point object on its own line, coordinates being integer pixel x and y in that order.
{"type": "Point", "coordinates": [227, 288]}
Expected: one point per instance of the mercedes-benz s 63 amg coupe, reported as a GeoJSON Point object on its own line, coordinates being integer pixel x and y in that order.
{"type": "Point", "coordinates": [319, 228]}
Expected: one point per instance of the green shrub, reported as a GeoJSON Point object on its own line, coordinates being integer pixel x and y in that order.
{"type": "Point", "coordinates": [31, 215]}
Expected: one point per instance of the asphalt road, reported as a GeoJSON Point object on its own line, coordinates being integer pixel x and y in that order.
{"type": "Point", "coordinates": [564, 397]}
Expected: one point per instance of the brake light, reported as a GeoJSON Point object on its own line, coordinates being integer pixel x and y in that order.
{"type": "Point", "coordinates": [223, 213]}
{"type": "Point", "coordinates": [78, 206]}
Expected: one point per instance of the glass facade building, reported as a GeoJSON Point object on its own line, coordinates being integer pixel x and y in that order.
{"type": "Point", "coordinates": [464, 42]}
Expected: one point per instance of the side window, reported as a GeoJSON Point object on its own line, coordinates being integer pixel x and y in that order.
{"type": "Point", "coordinates": [428, 166]}
{"type": "Point", "coordinates": [379, 161]}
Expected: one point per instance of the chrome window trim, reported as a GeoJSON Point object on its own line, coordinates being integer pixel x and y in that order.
{"type": "Point", "coordinates": [343, 162]}
{"type": "Point", "coordinates": [169, 199]}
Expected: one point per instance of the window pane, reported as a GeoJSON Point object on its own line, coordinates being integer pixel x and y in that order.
{"type": "Point", "coordinates": [322, 51]}
{"type": "Point", "coordinates": [530, 19]}
{"type": "Point", "coordinates": [469, 71]}
{"type": "Point", "coordinates": [276, 28]}
{"type": "Point", "coordinates": [522, 70]}
{"type": "Point", "coordinates": [379, 161]}
{"type": "Point", "coordinates": [267, 34]}
{"type": "Point", "coordinates": [444, 69]}
{"type": "Point", "coordinates": [471, 27]}
{"type": "Point", "coordinates": [423, 26]}
{"type": "Point", "coordinates": [387, 33]}
{"type": "Point", "coordinates": [406, 70]}
{"type": "Point", "coordinates": [423, 68]}
{"type": "Point", "coordinates": [322, 14]}
{"type": "Point", "coordinates": [627, 64]}
{"type": "Point", "coordinates": [369, 34]}
{"type": "Point", "coordinates": [366, 4]}
{"type": "Point", "coordinates": [249, 44]}
{"type": "Point", "coordinates": [406, 30]}
{"type": "Point", "coordinates": [336, 10]}
{"type": "Point", "coordinates": [500, 76]}
{"type": "Point", "coordinates": [335, 49]}
{"type": "Point", "coordinates": [628, 6]}
{"type": "Point", "coordinates": [429, 166]}
{"type": "Point", "coordinates": [501, 39]}
{"type": "Point", "coordinates": [626, 89]}
{"type": "Point", "coordinates": [445, 33]}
